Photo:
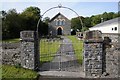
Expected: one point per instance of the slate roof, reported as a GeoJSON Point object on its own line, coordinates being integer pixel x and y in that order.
{"type": "Point", "coordinates": [112, 21]}
{"type": "Point", "coordinates": [57, 16]}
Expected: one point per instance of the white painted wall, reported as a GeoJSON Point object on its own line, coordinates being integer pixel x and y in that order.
{"type": "Point", "coordinates": [106, 28]}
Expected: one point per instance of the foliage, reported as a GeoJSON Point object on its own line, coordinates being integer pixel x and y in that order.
{"type": "Point", "coordinates": [95, 20]}
{"type": "Point", "coordinates": [78, 48]}
{"type": "Point", "coordinates": [87, 22]}
{"type": "Point", "coordinates": [12, 72]}
{"type": "Point", "coordinates": [43, 29]}
{"type": "Point", "coordinates": [46, 20]}
{"type": "Point", "coordinates": [75, 24]}
{"type": "Point", "coordinates": [13, 22]}
{"type": "Point", "coordinates": [92, 21]}
{"type": "Point", "coordinates": [30, 18]}
{"type": "Point", "coordinates": [84, 29]}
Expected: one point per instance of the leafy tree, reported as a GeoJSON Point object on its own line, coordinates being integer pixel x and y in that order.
{"type": "Point", "coordinates": [46, 20]}
{"type": "Point", "coordinates": [43, 29]}
{"type": "Point", "coordinates": [96, 20]}
{"type": "Point", "coordinates": [11, 26]}
{"type": "Point", "coordinates": [30, 17]}
{"type": "Point", "coordinates": [84, 29]}
{"type": "Point", "coordinates": [87, 22]}
{"type": "Point", "coordinates": [76, 24]}
{"type": "Point", "coordinates": [105, 16]}
{"type": "Point", "coordinates": [111, 15]}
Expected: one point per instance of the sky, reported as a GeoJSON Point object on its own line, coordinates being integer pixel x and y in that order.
{"type": "Point", "coordinates": [85, 9]}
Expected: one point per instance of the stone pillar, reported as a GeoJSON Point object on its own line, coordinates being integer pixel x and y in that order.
{"type": "Point", "coordinates": [93, 51]}
{"type": "Point", "coordinates": [29, 50]}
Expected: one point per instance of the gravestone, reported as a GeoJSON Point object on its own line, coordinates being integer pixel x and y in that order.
{"type": "Point", "coordinates": [93, 51]}
{"type": "Point", "coordinates": [29, 50]}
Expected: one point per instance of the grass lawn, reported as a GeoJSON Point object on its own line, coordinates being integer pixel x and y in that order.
{"type": "Point", "coordinates": [78, 48]}
{"type": "Point", "coordinates": [48, 50]}
{"type": "Point", "coordinates": [11, 72]}
{"type": "Point", "coordinates": [12, 40]}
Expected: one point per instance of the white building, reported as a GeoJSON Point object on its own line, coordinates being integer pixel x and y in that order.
{"type": "Point", "coordinates": [110, 26]}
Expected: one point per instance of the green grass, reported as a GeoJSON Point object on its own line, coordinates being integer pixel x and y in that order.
{"type": "Point", "coordinates": [48, 50]}
{"type": "Point", "coordinates": [12, 40]}
{"type": "Point", "coordinates": [12, 72]}
{"type": "Point", "coordinates": [78, 48]}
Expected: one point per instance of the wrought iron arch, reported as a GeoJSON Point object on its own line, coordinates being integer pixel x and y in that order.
{"type": "Point", "coordinates": [59, 6]}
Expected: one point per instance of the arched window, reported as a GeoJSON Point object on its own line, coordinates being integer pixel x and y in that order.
{"type": "Point", "coordinates": [60, 23]}
{"type": "Point", "coordinates": [57, 22]}
{"type": "Point", "coordinates": [63, 22]}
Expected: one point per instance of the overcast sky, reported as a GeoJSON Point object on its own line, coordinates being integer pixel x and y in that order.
{"type": "Point", "coordinates": [82, 8]}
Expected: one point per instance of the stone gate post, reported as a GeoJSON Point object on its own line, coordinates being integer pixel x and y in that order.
{"type": "Point", "coordinates": [29, 50]}
{"type": "Point", "coordinates": [93, 51]}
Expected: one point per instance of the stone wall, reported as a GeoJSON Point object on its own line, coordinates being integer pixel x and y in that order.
{"type": "Point", "coordinates": [29, 50]}
{"type": "Point", "coordinates": [24, 53]}
{"type": "Point", "coordinates": [11, 53]}
{"type": "Point", "coordinates": [112, 64]}
{"type": "Point", "coordinates": [115, 37]}
{"type": "Point", "coordinates": [106, 52]}
{"type": "Point", "coordinates": [93, 54]}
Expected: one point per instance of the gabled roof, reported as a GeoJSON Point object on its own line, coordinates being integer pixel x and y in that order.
{"type": "Point", "coordinates": [57, 16]}
{"type": "Point", "coordinates": [112, 21]}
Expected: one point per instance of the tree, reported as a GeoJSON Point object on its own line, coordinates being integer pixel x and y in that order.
{"type": "Point", "coordinates": [43, 28]}
{"type": "Point", "coordinates": [11, 25]}
{"type": "Point", "coordinates": [76, 24]}
{"type": "Point", "coordinates": [87, 22]}
{"type": "Point", "coordinates": [95, 20]}
{"type": "Point", "coordinates": [105, 16]}
{"type": "Point", "coordinates": [84, 29]}
{"type": "Point", "coordinates": [46, 20]}
{"type": "Point", "coordinates": [111, 15]}
{"type": "Point", "coordinates": [30, 18]}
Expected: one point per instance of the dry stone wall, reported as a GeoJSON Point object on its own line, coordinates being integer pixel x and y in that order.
{"type": "Point", "coordinates": [29, 50]}
{"type": "Point", "coordinates": [112, 60]}
{"type": "Point", "coordinates": [93, 51]}
{"type": "Point", "coordinates": [11, 53]}
{"type": "Point", "coordinates": [115, 37]}
{"type": "Point", "coordinates": [101, 57]}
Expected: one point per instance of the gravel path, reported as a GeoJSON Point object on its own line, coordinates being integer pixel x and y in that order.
{"type": "Point", "coordinates": [64, 61]}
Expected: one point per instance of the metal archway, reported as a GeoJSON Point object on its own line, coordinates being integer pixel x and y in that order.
{"type": "Point", "coordinates": [59, 6]}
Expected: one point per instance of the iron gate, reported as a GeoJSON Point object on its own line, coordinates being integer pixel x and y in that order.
{"type": "Point", "coordinates": [58, 54]}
